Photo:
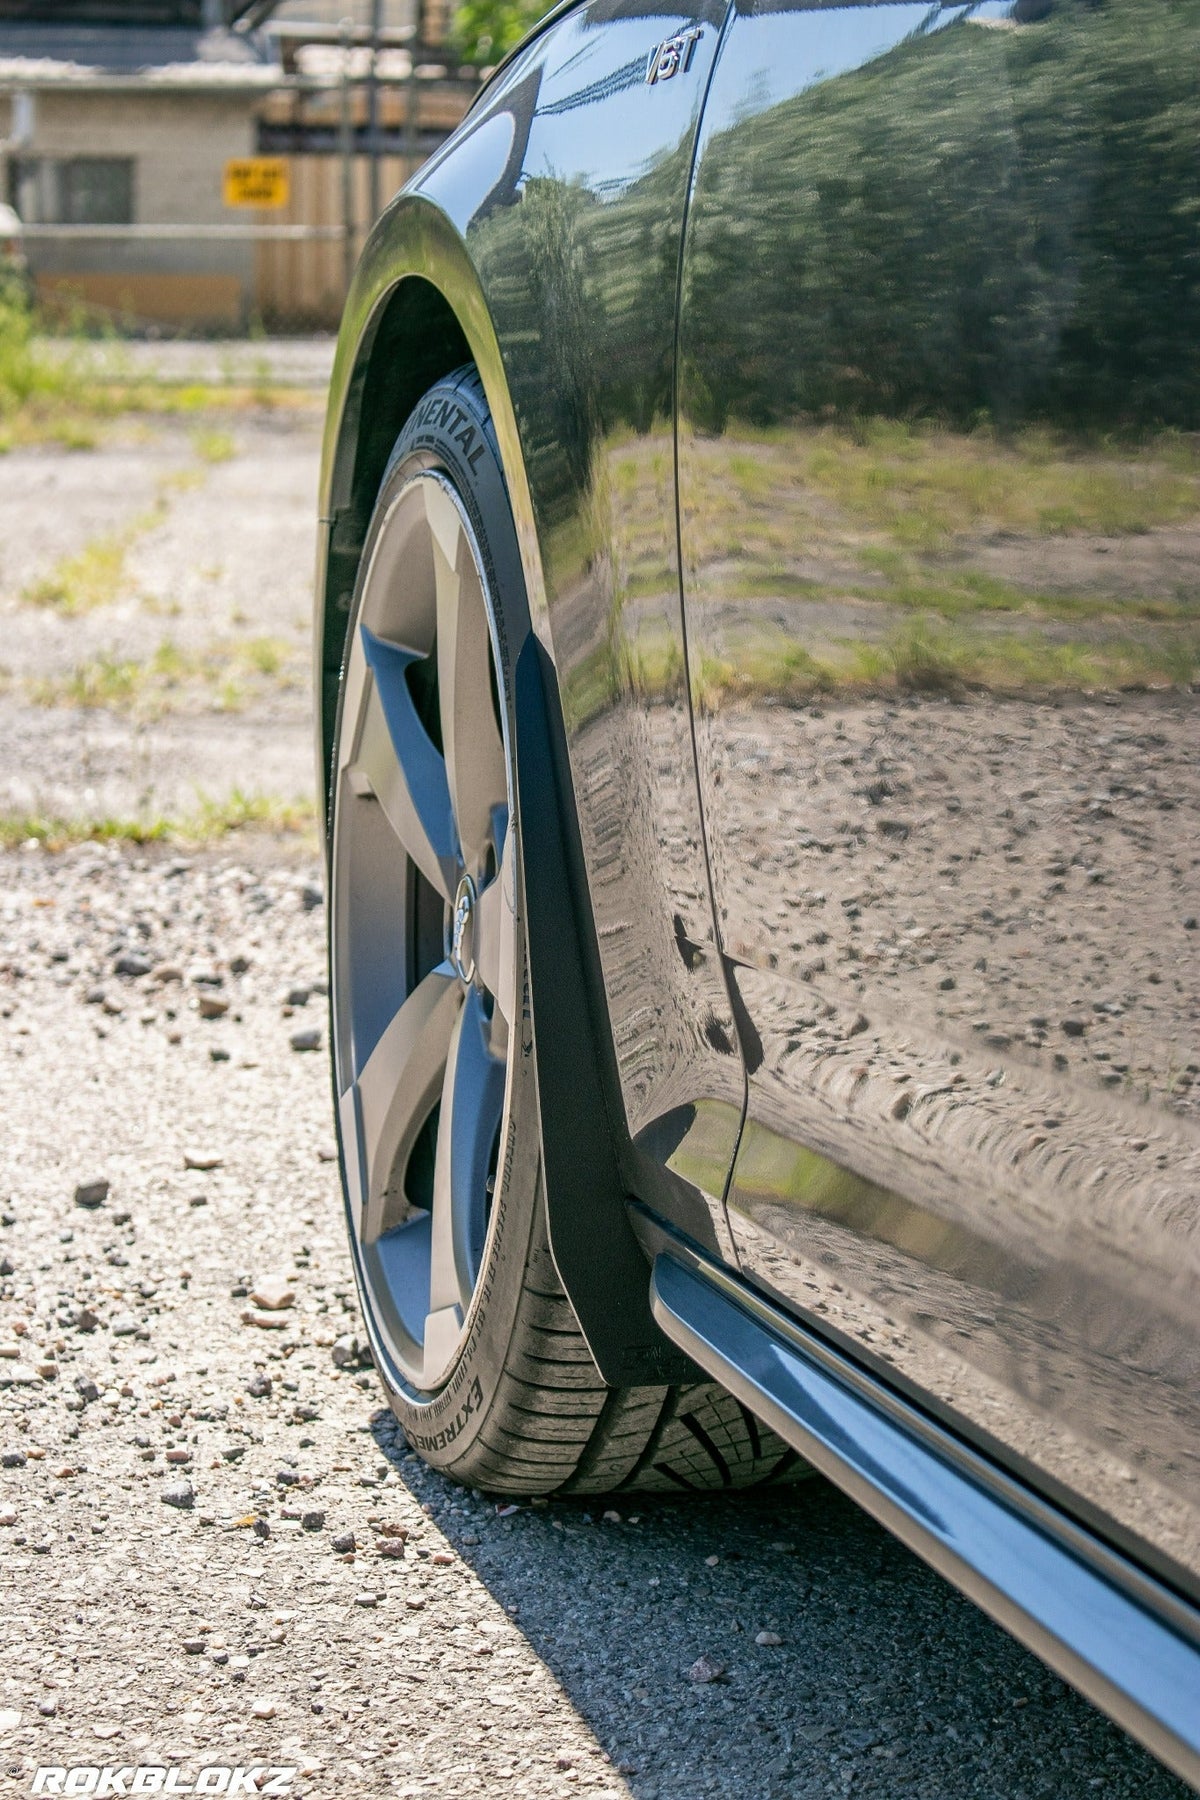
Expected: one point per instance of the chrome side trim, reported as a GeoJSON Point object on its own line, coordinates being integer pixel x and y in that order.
{"type": "Point", "coordinates": [1097, 1621]}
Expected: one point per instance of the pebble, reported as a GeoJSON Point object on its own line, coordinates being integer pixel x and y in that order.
{"type": "Point", "coordinates": [259, 1387]}
{"type": "Point", "coordinates": [49, 1706]}
{"type": "Point", "coordinates": [261, 1528]}
{"type": "Point", "coordinates": [92, 1193]}
{"type": "Point", "coordinates": [273, 1293]}
{"type": "Point", "coordinates": [86, 1319]}
{"type": "Point", "coordinates": [366, 1599]}
{"type": "Point", "coordinates": [201, 1160]}
{"type": "Point", "coordinates": [706, 1669]}
{"type": "Point", "coordinates": [768, 1640]}
{"type": "Point", "coordinates": [18, 1374]}
{"type": "Point", "coordinates": [344, 1543]}
{"type": "Point", "coordinates": [297, 996]}
{"type": "Point", "coordinates": [8, 1515]}
{"type": "Point", "coordinates": [12, 1459]}
{"type": "Point", "coordinates": [180, 1494]}
{"type": "Point", "coordinates": [194, 1646]}
{"type": "Point", "coordinates": [212, 1006]}
{"type": "Point", "coordinates": [308, 1039]}
{"type": "Point", "coordinates": [7, 1266]}
{"type": "Point", "coordinates": [263, 1709]}
{"type": "Point", "coordinates": [312, 1521]}
{"type": "Point", "coordinates": [132, 964]}
{"type": "Point", "coordinates": [124, 1325]}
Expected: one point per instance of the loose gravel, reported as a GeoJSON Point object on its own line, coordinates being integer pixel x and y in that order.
{"type": "Point", "coordinates": [216, 1546]}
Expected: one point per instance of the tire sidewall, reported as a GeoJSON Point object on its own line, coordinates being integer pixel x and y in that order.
{"type": "Point", "coordinates": [450, 433]}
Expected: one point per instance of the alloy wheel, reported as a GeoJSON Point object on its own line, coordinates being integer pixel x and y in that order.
{"type": "Point", "coordinates": [423, 927]}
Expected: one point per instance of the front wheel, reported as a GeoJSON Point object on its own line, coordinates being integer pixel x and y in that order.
{"type": "Point", "coordinates": [476, 1342]}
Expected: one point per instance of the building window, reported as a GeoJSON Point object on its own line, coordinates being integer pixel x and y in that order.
{"type": "Point", "coordinates": [95, 190]}
{"type": "Point", "coordinates": [72, 190]}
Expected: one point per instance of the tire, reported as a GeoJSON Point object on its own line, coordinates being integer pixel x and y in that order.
{"type": "Point", "coordinates": [496, 1387]}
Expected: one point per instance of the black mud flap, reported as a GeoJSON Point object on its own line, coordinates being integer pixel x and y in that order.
{"type": "Point", "coordinates": [599, 1262]}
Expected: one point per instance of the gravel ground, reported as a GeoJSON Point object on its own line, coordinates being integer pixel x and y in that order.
{"type": "Point", "coordinates": [196, 666]}
{"type": "Point", "coordinates": [181, 1463]}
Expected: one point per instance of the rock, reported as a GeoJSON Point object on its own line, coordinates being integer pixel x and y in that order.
{"type": "Point", "coordinates": [212, 1006]}
{"type": "Point", "coordinates": [180, 1494]}
{"type": "Point", "coordinates": [92, 1193]}
{"type": "Point", "coordinates": [194, 1646]}
{"type": "Point", "coordinates": [312, 1521]}
{"type": "Point", "coordinates": [49, 1706]}
{"type": "Point", "coordinates": [311, 896]}
{"type": "Point", "coordinates": [415, 1602]}
{"type": "Point", "coordinates": [297, 996]}
{"type": "Point", "coordinates": [286, 1477]}
{"type": "Point", "coordinates": [308, 1039]}
{"type": "Point", "coordinates": [202, 1160]}
{"type": "Point", "coordinates": [179, 1457]}
{"type": "Point", "coordinates": [273, 1293]}
{"type": "Point", "coordinates": [7, 1266]}
{"type": "Point", "coordinates": [344, 1543]}
{"type": "Point", "coordinates": [198, 1200]}
{"type": "Point", "coordinates": [327, 1153]}
{"type": "Point", "coordinates": [261, 1528]}
{"type": "Point", "coordinates": [393, 1547]}
{"type": "Point", "coordinates": [767, 1640]}
{"type": "Point", "coordinates": [706, 1669]}
{"type": "Point", "coordinates": [218, 1054]}
{"type": "Point", "coordinates": [124, 1325]}
{"type": "Point", "coordinates": [365, 1599]}
{"type": "Point", "coordinates": [86, 1388]}
{"type": "Point", "coordinates": [18, 1374]}
{"type": "Point", "coordinates": [166, 972]}
{"type": "Point", "coordinates": [263, 1709]}
{"type": "Point", "coordinates": [611, 1517]}
{"type": "Point", "coordinates": [12, 1459]}
{"type": "Point", "coordinates": [132, 964]}
{"type": "Point", "coordinates": [8, 1515]}
{"type": "Point", "coordinates": [345, 1352]}
{"type": "Point", "coordinates": [259, 1387]}
{"type": "Point", "coordinates": [86, 1319]}
{"type": "Point", "coordinates": [1074, 1028]}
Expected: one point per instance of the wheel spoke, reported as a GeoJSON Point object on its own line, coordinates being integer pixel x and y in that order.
{"type": "Point", "coordinates": [495, 931]}
{"type": "Point", "coordinates": [471, 740]}
{"type": "Point", "coordinates": [472, 1100]}
{"type": "Point", "coordinates": [394, 1095]}
{"type": "Point", "coordinates": [395, 759]}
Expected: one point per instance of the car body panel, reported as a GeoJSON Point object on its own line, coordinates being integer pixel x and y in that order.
{"type": "Point", "coordinates": [806, 788]}
{"type": "Point", "coordinates": [941, 541]}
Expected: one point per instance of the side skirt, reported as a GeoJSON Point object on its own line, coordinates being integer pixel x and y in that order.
{"type": "Point", "coordinates": [1128, 1643]}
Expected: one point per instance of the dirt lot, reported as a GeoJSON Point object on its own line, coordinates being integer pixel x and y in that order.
{"type": "Point", "coordinates": [183, 1467]}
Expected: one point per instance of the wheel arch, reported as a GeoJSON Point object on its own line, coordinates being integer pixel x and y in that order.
{"type": "Point", "coordinates": [416, 310]}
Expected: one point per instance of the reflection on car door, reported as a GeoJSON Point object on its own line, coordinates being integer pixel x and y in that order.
{"type": "Point", "coordinates": [940, 522]}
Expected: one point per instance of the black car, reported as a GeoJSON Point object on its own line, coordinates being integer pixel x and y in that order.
{"type": "Point", "coordinates": [758, 635]}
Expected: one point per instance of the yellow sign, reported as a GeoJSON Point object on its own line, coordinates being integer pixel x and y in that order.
{"type": "Point", "coordinates": [256, 181]}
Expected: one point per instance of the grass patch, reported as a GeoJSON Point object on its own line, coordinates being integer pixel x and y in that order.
{"type": "Point", "coordinates": [213, 446]}
{"type": "Point", "coordinates": [211, 821]}
{"type": "Point", "coordinates": [90, 578]}
{"type": "Point", "coordinates": [214, 676]}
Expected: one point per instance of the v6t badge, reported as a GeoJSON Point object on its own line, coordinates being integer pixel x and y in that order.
{"type": "Point", "coordinates": [672, 55]}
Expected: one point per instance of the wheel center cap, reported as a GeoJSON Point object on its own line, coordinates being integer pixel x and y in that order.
{"type": "Point", "coordinates": [462, 940]}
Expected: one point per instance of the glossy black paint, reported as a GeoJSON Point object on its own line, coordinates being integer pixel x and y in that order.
{"type": "Point", "coordinates": [941, 541]}
{"type": "Point", "coordinates": [887, 787]}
